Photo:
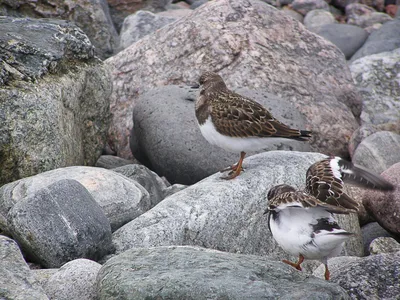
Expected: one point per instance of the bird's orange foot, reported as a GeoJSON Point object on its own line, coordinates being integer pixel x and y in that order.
{"type": "Point", "coordinates": [233, 174]}
{"type": "Point", "coordinates": [294, 265]}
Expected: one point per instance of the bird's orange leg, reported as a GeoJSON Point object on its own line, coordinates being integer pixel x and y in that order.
{"type": "Point", "coordinates": [327, 273]}
{"type": "Point", "coordinates": [295, 265]}
{"type": "Point", "coordinates": [237, 168]}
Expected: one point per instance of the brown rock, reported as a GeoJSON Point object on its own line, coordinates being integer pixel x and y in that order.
{"type": "Point", "coordinates": [246, 44]}
{"type": "Point", "coordinates": [385, 206]}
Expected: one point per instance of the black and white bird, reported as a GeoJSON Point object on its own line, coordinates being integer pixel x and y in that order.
{"type": "Point", "coordinates": [302, 223]}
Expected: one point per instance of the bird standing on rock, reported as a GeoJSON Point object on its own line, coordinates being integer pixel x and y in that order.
{"type": "Point", "coordinates": [236, 123]}
{"type": "Point", "coordinates": [302, 223]}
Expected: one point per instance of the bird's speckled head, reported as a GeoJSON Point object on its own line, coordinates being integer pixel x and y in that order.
{"type": "Point", "coordinates": [211, 80]}
{"type": "Point", "coordinates": [279, 189]}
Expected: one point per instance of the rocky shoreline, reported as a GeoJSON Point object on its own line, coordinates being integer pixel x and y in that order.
{"type": "Point", "coordinates": [153, 220]}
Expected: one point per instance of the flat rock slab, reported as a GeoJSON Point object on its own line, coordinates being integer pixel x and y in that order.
{"type": "Point", "coordinates": [121, 198]}
{"type": "Point", "coordinates": [198, 273]}
{"type": "Point", "coordinates": [17, 281]}
{"type": "Point", "coordinates": [60, 223]}
{"type": "Point", "coordinates": [227, 215]}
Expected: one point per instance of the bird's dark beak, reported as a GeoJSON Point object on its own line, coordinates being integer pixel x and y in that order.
{"type": "Point", "coordinates": [196, 86]}
{"type": "Point", "coordinates": [266, 211]}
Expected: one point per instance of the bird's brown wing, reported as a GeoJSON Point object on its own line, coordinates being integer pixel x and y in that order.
{"type": "Point", "coordinates": [327, 186]}
{"type": "Point", "coordinates": [238, 116]}
{"type": "Point", "coordinates": [304, 200]}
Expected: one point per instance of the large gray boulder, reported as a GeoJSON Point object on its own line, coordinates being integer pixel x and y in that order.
{"type": "Point", "coordinates": [17, 281]}
{"type": "Point", "coordinates": [121, 198]}
{"type": "Point", "coordinates": [92, 16]}
{"type": "Point", "coordinates": [54, 98]}
{"type": "Point", "coordinates": [167, 139]}
{"type": "Point", "coordinates": [227, 215]}
{"type": "Point", "coordinates": [244, 41]}
{"type": "Point", "coordinates": [60, 223]}
{"type": "Point", "coordinates": [197, 273]}
{"type": "Point", "coordinates": [376, 77]}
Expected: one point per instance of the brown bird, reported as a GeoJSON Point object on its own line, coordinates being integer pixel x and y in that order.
{"type": "Point", "coordinates": [236, 123]}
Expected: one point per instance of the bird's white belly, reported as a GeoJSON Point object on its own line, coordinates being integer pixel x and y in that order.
{"type": "Point", "coordinates": [293, 233]}
{"type": "Point", "coordinates": [233, 144]}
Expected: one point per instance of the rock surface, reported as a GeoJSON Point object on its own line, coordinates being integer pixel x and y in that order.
{"type": "Point", "coordinates": [17, 281]}
{"type": "Point", "coordinates": [154, 185]}
{"type": "Point", "coordinates": [371, 277]}
{"type": "Point", "coordinates": [74, 281]}
{"type": "Point", "coordinates": [139, 25]}
{"type": "Point", "coordinates": [92, 16]}
{"type": "Point", "coordinates": [167, 273]}
{"type": "Point", "coordinates": [60, 223]}
{"type": "Point", "coordinates": [227, 215]}
{"type": "Point", "coordinates": [378, 151]}
{"type": "Point", "coordinates": [377, 76]}
{"type": "Point", "coordinates": [366, 130]}
{"type": "Point", "coordinates": [187, 157]}
{"type": "Point", "coordinates": [385, 39]}
{"type": "Point", "coordinates": [347, 38]}
{"type": "Point", "coordinates": [384, 245]}
{"type": "Point", "coordinates": [370, 232]}
{"type": "Point", "coordinates": [317, 18]}
{"type": "Point", "coordinates": [244, 42]}
{"type": "Point", "coordinates": [385, 207]}
{"type": "Point", "coordinates": [54, 106]}
{"type": "Point", "coordinates": [121, 199]}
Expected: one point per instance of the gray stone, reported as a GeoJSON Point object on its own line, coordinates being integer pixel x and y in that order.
{"type": "Point", "coordinates": [121, 198]}
{"type": "Point", "coordinates": [74, 281]}
{"type": "Point", "coordinates": [119, 10]}
{"type": "Point", "coordinates": [305, 6]}
{"type": "Point", "coordinates": [377, 78]}
{"type": "Point", "coordinates": [168, 273]}
{"type": "Point", "coordinates": [60, 223]}
{"type": "Point", "coordinates": [387, 38]}
{"type": "Point", "coordinates": [347, 38]}
{"type": "Point", "coordinates": [370, 232]}
{"type": "Point", "coordinates": [384, 245]}
{"type": "Point", "coordinates": [197, 3]}
{"type": "Point", "coordinates": [54, 98]}
{"type": "Point", "coordinates": [92, 16]}
{"type": "Point", "coordinates": [146, 178]}
{"type": "Point", "coordinates": [111, 162]}
{"type": "Point", "coordinates": [317, 18]}
{"type": "Point", "coordinates": [140, 24]}
{"type": "Point", "coordinates": [371, 277]}
{"type": "Point", "coordinates": [367, 129]}
{"type": "Point", "coordinates": [371, 19]}
{"type": "Point", "coordinates": [227, 215]}
{"type": "Point", "coordinates": [174, 189]}
{"type": "Point", "coordinates": [378, 151]}
{"type": "Point", "coordinates": [187, 157]}
{"type": "Point", "coordinates": [17, 281]}
{"type": "Point", "coordinates": [175, 13]}
{"type": "Point", "coordinates": [243, 41]}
